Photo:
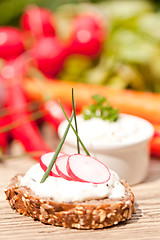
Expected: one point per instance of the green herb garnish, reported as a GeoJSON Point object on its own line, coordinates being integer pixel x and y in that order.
{"type": "Point", "coordinates": [78, 148]}
{"type": "Point", "coordinates": [101, 109]}
{"type": "Point", "coordinates": [69, 121]}
{"type": "Point", "coordinates": [47, 172]}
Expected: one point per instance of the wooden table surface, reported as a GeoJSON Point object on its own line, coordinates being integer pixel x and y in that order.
{"type": "Point", "coordinates": [145, 224]}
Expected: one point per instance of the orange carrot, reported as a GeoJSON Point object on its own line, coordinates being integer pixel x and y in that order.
{"type": "Point", "coordinates": [142, 104]}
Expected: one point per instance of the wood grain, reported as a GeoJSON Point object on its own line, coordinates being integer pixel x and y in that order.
{"type": "Point", "coordinates": [144, 225]}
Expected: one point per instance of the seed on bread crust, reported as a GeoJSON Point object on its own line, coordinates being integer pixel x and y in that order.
{"type": "Point", "coordinates": [90, 214]}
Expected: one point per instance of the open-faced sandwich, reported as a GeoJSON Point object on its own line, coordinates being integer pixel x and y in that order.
{"type": "Point", "coordinates": [75, 191]}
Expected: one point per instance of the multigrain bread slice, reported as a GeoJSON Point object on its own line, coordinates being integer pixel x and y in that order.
{"type": "Point", "coordinates": [92, 214]}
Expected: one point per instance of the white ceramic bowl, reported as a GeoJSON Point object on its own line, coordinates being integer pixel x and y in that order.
{"type": "Point", "coordinates": [129, 156]}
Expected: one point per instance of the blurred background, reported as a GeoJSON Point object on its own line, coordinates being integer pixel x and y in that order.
{"type": "Point", "coordinates": [128, 55]}
{"type": "Point", "coordinates": [46, 44]}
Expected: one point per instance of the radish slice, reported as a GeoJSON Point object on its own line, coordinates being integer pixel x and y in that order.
{"type": "Point", "coordinates": [45, 161]}
{"type": "Point", "coordinates": [60, 166]}
{"type": "Point", "coordinates": [87, 169]}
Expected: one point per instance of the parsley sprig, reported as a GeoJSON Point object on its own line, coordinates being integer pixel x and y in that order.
{"type": "Point", "coordinates": [100, 109]}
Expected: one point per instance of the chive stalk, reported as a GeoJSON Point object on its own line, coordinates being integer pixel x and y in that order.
{"type": "Point", "coordinates": [47, 172]}
{"type": "Point", "coordinates": [75, 120]}
{"type": "Point", "coordinates": [69, 121]}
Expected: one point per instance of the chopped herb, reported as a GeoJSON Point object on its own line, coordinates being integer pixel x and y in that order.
{"type": "Point", "coordinates": [100, 109]}
{"type": "Point", "coordinates": [78, 148]}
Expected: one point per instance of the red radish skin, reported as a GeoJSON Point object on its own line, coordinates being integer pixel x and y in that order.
{"type": "Point", "coordinates": [85, 42]}
{"type": "Point", "coordinates": [87, 36]}
{"type": "Point", "coordinates": [3, 135]}
{"type": "Point", "coordinates": [2, 94]}
{"type": "Point", "coordinates": [53, 113]}
{"type": "Point", "coordinates": [45, 161]}
{"type": "Point", "coordinates": [3, 142]}
{"type": "Point", "coordinates": [39, 21]}
{"type": "Point", "coordinates": [44, 168]}
{"type": "Point", "coordinates": [3, 120]}
{"type": "Point", "coordinates": [16, 68]}
{"type": "Point", "coordinates": [85, 168]}
{"type": "Point", "coordinates": [11, 42]}
{"type": "Point", "coordinates": [27, 132]}
{"type": "Point", "coordinates": [60, 164]}
{"type": "Point", "coordinates": [156, 134]}
{"type": "Point", "coordinates": [49, 54]}
{"type": "Point", "coordinates": [90, 21]}
{"type": "Point", "coordinates": [155, 146]}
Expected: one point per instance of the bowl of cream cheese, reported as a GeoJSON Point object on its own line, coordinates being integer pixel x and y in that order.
{"type": "Point", "coordinates": [122, 145]}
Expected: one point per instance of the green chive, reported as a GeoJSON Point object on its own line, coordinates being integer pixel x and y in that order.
{"type": "Point", "coordinates": [47, 172]}
{"type": "Point", "coordinates": [74, 130]}
{"type": "Point", "coordinates": [78, 148]}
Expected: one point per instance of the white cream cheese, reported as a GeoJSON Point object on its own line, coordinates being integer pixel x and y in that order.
{"type": "Point", "coordinates": [61, 190]}
{"type": "Point", "coordinates": [97, 132]}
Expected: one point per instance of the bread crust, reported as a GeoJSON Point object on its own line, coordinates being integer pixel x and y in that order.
{"type": "Point", "coordinates": [92, 214]}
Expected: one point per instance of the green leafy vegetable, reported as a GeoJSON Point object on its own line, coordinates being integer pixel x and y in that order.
{"type": "Point", "coordinates": [101, 109]}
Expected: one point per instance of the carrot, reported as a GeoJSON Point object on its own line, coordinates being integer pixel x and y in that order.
{"type": "Point", "coordinates": [142, 104]}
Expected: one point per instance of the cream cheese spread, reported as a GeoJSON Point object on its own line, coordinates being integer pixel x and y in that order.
{"type": "Point", "coordinates": [61, 190]}
{"type": "Point", "coordinates": [97, 132]}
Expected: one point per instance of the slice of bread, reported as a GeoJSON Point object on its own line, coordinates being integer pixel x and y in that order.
{"type": "Point", "coordinates": [92, 214]}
